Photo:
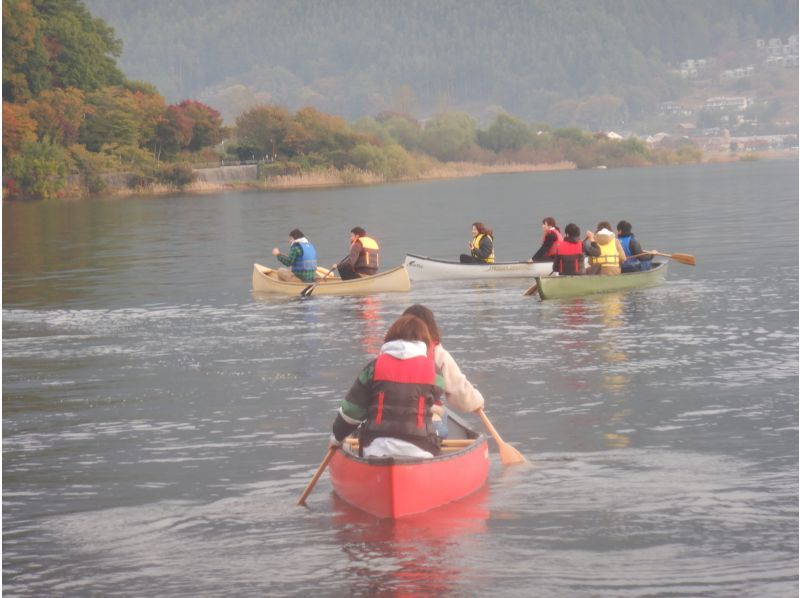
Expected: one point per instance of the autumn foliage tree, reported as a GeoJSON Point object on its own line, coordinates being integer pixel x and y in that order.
{"type": "Point", "coordinates": [59, 114]}
{"type": "Point", "coordinates": [263, 129]}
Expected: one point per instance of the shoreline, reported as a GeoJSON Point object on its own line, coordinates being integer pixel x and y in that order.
{"type": "Point", "coordinates": [333, 178]}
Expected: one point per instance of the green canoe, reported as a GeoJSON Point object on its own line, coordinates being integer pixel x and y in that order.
{"type": "Point", "coordinates": [562, 287]}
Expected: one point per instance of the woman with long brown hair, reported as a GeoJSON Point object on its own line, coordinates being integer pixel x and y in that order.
{"type": "Point", "coordinates": [481, 247]}
{"type": "Point", "coordinates": [391, 401]}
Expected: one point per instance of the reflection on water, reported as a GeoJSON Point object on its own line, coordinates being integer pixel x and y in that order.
{"type": "Point", "coordinates": [420, 555]}
{"type": "Point", "coordinates": [368, 309]}
{"type": "Point", "coordinates": [159, 422]}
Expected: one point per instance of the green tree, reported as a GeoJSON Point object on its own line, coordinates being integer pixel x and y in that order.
{"type": "Point", "coordinates": [25, 61]}
{"type": "Point", "coordinates": [404, 131]}
{"type": "Point", "coordinates": [505, 133]}
{"type": "Point", "coordinates": [449, 136]}
{"type": "Point", "coordinates": [369, 157]}
{"type": "Point", "coordinates": [112, 119]}
{"type": "Point", "coordinates": [38, 171]}
{"type": "Point", "coordinates": [82, 49]}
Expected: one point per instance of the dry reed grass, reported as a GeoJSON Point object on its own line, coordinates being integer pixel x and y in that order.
{"type": "Point", "coordinates": [333, 177]}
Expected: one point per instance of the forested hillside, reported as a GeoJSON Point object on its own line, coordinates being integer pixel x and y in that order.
{"type": "Point", "coordinates": [70, 115]}
{"type": "Point", "coordinates": [531, 58]}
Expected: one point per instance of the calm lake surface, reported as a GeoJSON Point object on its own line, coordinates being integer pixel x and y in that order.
{"type": "Point", "coordinates": [160, 421]}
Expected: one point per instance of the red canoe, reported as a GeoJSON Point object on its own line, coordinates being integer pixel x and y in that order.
{"type": "Point", "coordinates": [399, 486]}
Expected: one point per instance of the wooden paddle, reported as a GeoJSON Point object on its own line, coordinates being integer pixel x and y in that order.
{"type": "Point", "coordinates": [310, 288]}
{"type": "Point", "coordinates": [508, 454]}
{"type": "Point", "coordinates": [683, 258]}
{"type": "Point", "coordinates": [532, 290]}
{"type": "Point", "coordinates": [317, 474]}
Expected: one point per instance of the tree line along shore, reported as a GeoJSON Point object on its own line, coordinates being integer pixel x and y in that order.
{"type": "Point", "coordinates": [75, 126]}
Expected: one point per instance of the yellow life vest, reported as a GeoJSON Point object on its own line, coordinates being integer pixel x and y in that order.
{"type": "Point", "coordinates": [476, 244]}
{"type": "Point", "coordinates": [609, 256]}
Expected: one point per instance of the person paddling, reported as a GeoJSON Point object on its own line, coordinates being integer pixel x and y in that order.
{"type": "Point", "coordinates": [302, 259]}
{"type": "Point", "coordinates": [632, 247]}
{"type": "Point", "coordinates": [459, 392]}
{"type": "Point", "coordinates": [364, 256]}
{"type": "Point", "coordinates": [391, 402]}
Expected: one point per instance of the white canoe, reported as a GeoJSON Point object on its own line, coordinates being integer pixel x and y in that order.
{"type": "Point", "coordinates": [421, 267]}
{"type": "Point", "coordinates": [265, 280]}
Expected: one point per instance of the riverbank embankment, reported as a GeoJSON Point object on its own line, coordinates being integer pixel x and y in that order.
{"type": "Point", "coordinates": [249, 176]}
{"type": "Point", "coordinates": [242, 177]}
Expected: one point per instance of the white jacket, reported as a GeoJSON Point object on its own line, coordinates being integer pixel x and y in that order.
{"type": "Point", "coordinates": [457, 389]}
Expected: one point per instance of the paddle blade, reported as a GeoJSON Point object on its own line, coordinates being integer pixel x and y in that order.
{"type": "Point", "coordinates": [509, 455]}
{"type": "Point", "coordinates": [684, 258]}
{"type": "Point", "coordinates": [532, 290]}
{"type": "Point", "coordinates": [308, 290]}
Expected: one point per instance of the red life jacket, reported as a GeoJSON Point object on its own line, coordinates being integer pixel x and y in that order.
{"type": "Point", "coordinates": [569, 257]}
{"type": "Point", "coordinates": [554, 247]}
{"type": "Point", "coordinates": [404, 390]}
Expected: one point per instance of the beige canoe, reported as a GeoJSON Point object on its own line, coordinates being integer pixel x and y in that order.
{"type": "Point", "coordinates": [265, 280]}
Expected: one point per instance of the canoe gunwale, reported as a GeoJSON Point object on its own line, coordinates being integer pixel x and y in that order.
{"type": "Point", "coordinates": [480, 441]}
{"type": "Point", "coordinates": [389, 281]}
{"type": "Point", "coordinates": [629, 281]}
{"type": "Point", "coordinates": [427, 269]}
{"type": "Point", "coordinates": [455, 263]}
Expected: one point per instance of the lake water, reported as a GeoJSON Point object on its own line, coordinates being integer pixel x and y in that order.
{"type": "Point", "coordinates": [160, 421]}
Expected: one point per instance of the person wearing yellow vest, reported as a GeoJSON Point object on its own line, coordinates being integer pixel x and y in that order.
{"type": "Point", "coordinates": [481, 247]}
{"type": "Point", "coordinates": [363, 259]}
{"type": "Point", "coordinates": [604, 250]}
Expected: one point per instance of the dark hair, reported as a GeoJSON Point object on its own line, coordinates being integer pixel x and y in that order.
{"type": "Point", "coordinates": [483, 229]}
{"type": "Point", "coordinates": [549, 221]}
{"type": "Point", "coordinates": [296, 234]}
{"type": "Point", "coordinates": [603, 224]}
{"type": "Point", "coordinates": [572, 230]}
{"type": "Point", "coordinates": [426, 315]}
{"type": "Point", "coordinates": [409, 328]}
{"type": "Point", "coordinates": [358, 231]}
{"type": "Point", "coordinates": [624, 227]}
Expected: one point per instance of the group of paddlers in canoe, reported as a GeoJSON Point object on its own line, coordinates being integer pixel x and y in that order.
{"type": "Point", "coordinates": [608, 253]}
{"type": "Point", "coordinates": [363, 258]}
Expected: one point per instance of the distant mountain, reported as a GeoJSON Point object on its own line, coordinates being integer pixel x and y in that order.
{"type": "Point", "coordinates": [594, 63]}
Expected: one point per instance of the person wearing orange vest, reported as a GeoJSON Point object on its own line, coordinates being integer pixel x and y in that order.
{"type": "Point", "coordinates": [550, 238]}
{"type": "Point", "coordinates": [363, 259]}
{"type": "Point", "coordinates": [569, 258]}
